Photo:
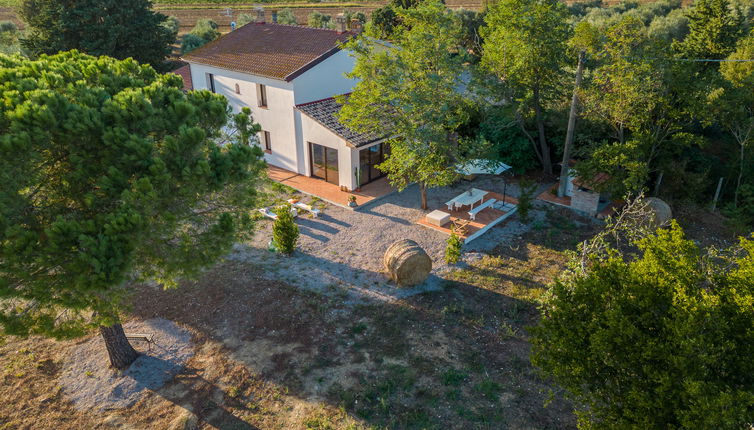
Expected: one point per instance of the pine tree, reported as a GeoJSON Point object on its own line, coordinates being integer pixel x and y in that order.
{"type": "Point", "coordinates": [111, 174]}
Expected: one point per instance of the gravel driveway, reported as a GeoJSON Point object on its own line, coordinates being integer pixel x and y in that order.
{"type": "Point", "coordinates": [341, 251]}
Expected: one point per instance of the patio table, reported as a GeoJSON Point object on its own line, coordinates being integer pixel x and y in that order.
{"type": "Point", "coordinates": [464, 199]}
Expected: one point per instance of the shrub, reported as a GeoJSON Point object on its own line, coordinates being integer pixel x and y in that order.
{"type": "Point", "coordinates": [526, 198]}
{"type": "Point", "coordinates": [285, 230]}
{"type": "Point", "coordinates": [453, 248]}
{"type": "Point", "coordinates": [287, 17]}
{"type": "Point", "coordinates": [206, 29]}
{"type": "Point", "coordinates": [172, 24]}
{"type": "Point", "coordinates": [191, 42]}
{"type": "Point", "coordinates": [319, 20]}
{"type": "Point", "coordinates": [244, 19]}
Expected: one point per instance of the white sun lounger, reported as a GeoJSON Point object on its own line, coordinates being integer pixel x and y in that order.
{"type": "Point", "coordinates": [304, 207]}
{"type": "Point", "coordinates": [272, 215]}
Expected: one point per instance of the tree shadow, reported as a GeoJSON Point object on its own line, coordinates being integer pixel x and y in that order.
{"type": "Point", "coordinates": [196, 394]}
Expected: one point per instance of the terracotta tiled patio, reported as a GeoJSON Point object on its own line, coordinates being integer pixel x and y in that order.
{"type": "Point", "coordinates": [484, 220]}
{"type": "Point", "coordinates": [327, 191]}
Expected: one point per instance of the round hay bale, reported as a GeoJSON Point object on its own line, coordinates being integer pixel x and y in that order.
{"type": "Point", "coordinates": [661, 213]}
{"type": "Point", "coordinates": [407, 263]}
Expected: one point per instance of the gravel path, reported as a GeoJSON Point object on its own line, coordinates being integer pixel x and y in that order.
{"type": "Point", "coordinates": [90, 383]}
{"type": "Point", "coordinates": [341, 251]}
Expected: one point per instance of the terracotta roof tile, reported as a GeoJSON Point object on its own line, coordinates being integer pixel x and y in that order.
{"type": "Point", "coordinates": [324, 112]}
{"type": "Point", "coordinates": [272, 50]}
{"type": "Point", "coordinates": [185, 72]}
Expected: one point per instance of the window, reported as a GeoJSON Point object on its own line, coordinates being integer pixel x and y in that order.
{"type": "Point", "coordinates": [211, 82]}
{"type": "Point", "coordinates": [266, 143]}
{"type": "Point", "coordinates": [238, 89]}
{"type": "Point", "coordinates": [262, 95]}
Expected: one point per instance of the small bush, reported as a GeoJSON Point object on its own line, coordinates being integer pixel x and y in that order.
{"type": "Point", "coordinates": [318, 19]}
{"type": "Point", "coordinates": [453, 248]}
{"type": "Point", "coordinates": [206, 29]}
{"type": "Point", "coordinates": [244, 19]}
{"type": "Point", "coordinates": [526, 199]}
{"type": "Point", "coordinates": [191, 42]}
{"type": "Point", "coordinates": [287, 17]}
{"type": "Point", "coordinates": [285, 230]}
{"type": "Point", "coordinates": [173, 24]}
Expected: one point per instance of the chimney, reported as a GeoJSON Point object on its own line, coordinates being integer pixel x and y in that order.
{"type": "Point", "coordinates": [274, 14]}
{"type": "Point", "coordinates": [260, 15]}
{"type": "Point", "coordinates": [356, 26]}
{"type": "Point", "coordinates": [340, 19]}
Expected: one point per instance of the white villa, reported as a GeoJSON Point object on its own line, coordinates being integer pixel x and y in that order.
{"type": "Point", "coordinates": [288, 76]}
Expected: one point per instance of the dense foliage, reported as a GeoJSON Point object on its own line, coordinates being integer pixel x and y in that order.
{"type": "Point", "coordinates": [656, 95]}
{"type": "Point", "coordinates": [111, 173]}
{"type": "Point", "coordinates": [411, 90]}
{"type": "Point", "coordinates": [661, 339]}
{"type": "Point", "coordinates": [116, 28]}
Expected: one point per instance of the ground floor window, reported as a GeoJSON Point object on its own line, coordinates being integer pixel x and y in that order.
{"type": "Point", "coordinates": [369, 158]}
{"type": "Point", "coordinates": [266, 141]}
{"type": "Point", "coordinates": [324, 163]}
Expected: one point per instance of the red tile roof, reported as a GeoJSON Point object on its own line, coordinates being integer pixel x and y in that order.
{"type": "Point", "coordinates": [185, 72]}
{"type": "Point", "coordinates": [271, 50]}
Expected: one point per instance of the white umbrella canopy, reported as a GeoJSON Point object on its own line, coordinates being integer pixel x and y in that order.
{"type": "Point", "coordinates": [482, 167]}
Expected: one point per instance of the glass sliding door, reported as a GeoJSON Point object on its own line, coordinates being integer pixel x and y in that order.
{"type": "Point", "coordinates": [324, 162]}
{"type": "Point", "coordinates": [369, 158]}
{"type": "Point", "coordinates": [331, 165]}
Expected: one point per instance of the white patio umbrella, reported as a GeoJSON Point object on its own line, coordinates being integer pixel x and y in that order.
{"type": "Point", "coordinates": [482, 167]}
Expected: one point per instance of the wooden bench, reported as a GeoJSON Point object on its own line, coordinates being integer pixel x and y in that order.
{"type": "Point", "coordinates": [485, 205]}
{"type": "Point", "coordinates": [141, 337]}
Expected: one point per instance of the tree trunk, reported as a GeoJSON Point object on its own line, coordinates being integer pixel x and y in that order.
{"type": "Point", "coordinates": [120, 351]}
{"type": "Point", "coordinates": [740, 176]}
{"type": "Point", "coordinates": [423, 191]}
{"type": "Point", "coordinates": [546, 163]}
{"type": "Point", "coordinates": [571, 126]}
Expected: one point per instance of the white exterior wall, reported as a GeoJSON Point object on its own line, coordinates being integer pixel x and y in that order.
{"type": "Point", "coordinates": [289, 129]}
{"type": "Point", "coordinates": [278, 118]}
{"type": "Point", "coordinates": [314, 132]}
{"type": "Point", "coordinates": [326, 79]}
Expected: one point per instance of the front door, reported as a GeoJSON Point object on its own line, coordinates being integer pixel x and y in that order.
{"type": "Point", "coordinates": [324, 162]}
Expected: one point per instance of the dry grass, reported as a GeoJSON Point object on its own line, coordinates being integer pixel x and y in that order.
{"type": "Point", "coordinates": [272, 356]}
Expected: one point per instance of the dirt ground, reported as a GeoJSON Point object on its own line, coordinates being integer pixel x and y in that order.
{"type": "Point", "coordinates": [269, 354]}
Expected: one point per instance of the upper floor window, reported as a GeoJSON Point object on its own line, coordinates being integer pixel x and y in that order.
{"type": "Point", "coordinates": [262, 95]}
{"type": "Point", "coordinates": [238, 89]}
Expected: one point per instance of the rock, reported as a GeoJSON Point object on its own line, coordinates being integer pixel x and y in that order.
{"type": "Point", "coordinates": [407, 263]}
{"type": "Point", "coordinates": [661, 212]}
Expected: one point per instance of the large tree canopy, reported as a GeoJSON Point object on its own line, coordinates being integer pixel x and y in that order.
{"type": "Point", "coordinates": [117, 28]}
{"type": "Point", "coordinates": [413, 89]}
{"type": "Point", "coordinates": [662, 339]}
{"type": "Point", "coordinates": [525, 46]}
{"type": "Point", "coordinates": [110, 173]}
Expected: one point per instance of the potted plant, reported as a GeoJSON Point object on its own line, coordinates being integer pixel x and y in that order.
{"type": "Point", "coordinates": [352, 201]}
